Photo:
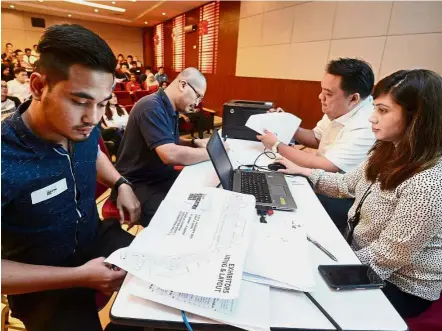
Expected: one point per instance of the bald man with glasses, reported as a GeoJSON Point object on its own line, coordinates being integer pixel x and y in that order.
{"type": "Point", "coordinates": [151, 144]}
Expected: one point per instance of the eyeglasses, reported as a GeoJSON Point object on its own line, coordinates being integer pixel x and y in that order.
{"type": "Point", "coordinates": [354, 221]}
{"type": "Point", "coordinates": [199, 97]}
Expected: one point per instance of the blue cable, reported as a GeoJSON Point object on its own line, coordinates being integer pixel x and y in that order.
{"type": "Point", "coordinates": [186, 322]}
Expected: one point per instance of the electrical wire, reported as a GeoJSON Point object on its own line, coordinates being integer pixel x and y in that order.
{"type": "Point", "coordinates": [186, 322]}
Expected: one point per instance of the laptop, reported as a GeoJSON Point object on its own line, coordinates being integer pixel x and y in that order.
{"type": "Point", "coordinates": [269, 188]}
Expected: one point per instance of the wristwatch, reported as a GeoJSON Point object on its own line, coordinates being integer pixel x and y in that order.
{"type": "Point", "coordinates": [121, 181]}
{"type": "Point", "coordinates": [275, 147]}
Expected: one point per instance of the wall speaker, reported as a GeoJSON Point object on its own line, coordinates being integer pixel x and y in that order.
{"type": "Point", "coordinates": [37, 22]}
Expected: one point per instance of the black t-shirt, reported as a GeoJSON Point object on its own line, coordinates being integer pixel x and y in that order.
{"type": "Point", "coordinates": [152, 122]}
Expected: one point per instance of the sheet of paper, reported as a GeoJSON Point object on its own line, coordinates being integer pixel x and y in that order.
{"type": "Point", "coordinates": [282, 255]}
{"type": "Point", "coordinates": [250, 311]}
{"type": "Point", "coordinates": [267, 281]}
{"type": "Point", "coordinates": [196, 243]}
{"type": "Point", "coordinates": [284, 125]}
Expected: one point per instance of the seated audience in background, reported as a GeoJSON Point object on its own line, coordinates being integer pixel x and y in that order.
{"type": "Point", "coordinates": [163, 85]}
{"type": "Point", "coordinates": [133, 85]}
{"type": "Point", "coordinates": [129, 59]}
{"type": "Point", "coordinates": [343, 136]}
{"type": "Point", "coordinates": [6, 73]}
{"type": "Point", "coordinates": [119, 75]}
{"type": "Point", "coordinates": [134, 69]}
{"type": "Point", "coordinates": [139, 64]}
{"type": "Point", "coordinates": [113, 123]}
{"type": "Point", "coordinates": [19, 87]}
{"type": "Point", "coordinates": [115, 115]}
{"type": "Point", "coordinates": [22, 63]}
{"type": "Point", "coordinates": [28, 57]}
{"type": "Point", "coordinates": [125, 71]}
{"type": "Point", "coordinates": [120, 59]}
{"type": "Point", "coordinates": [150, 83]}
{"type": "Point", "coordinates": [53, 242]}
{"type": "Point", "coordinates": [147, 71]}
{"type": "Point", "coordinates": [161, 76]}
{"type": "Point", "coordinates": [9, 47]}
{"type": "Point", "coordinates": [398, 190]}
{"type": "Point", "coordinates": [9, 104]}
{"type": "Point", "coordinates": [152, 145]}
{"type": "Point", "coordinates": [34, 50]}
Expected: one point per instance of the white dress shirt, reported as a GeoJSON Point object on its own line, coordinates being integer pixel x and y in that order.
{"type": "Point", "coordinates": [400, 231]}
{"type": "Point", "coordinates": [345, 141]}
{"type": "Point", "coordinates": [19, 90]}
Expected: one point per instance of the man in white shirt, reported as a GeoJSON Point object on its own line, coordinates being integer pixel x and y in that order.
{"type": "Point", "coordinates": [28, 57]}
{"type": "Point", "coordinates": [343, 136]}
{"type": "Point", "coordinates": [19, 87]}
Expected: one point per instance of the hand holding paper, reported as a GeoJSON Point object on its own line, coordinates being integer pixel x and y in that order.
{"type": "Point", "coordinates": [283, 125]}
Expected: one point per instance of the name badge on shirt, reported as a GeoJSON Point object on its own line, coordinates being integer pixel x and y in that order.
{"type": "Point", "coordinates": [49, 191]}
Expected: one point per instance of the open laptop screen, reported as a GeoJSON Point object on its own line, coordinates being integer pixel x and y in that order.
{"type": "Point", "coordinates": [220, 161]}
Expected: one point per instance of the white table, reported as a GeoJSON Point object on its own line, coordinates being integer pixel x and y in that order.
{"type": "Point", "coordinates": [352, 310]}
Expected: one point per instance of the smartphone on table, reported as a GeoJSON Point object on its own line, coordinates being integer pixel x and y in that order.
{"type": "Point", "coordinates": [350, 277]}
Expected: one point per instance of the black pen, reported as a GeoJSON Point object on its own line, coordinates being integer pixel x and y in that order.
{"type": "Point", "coordinates": [326, 252]}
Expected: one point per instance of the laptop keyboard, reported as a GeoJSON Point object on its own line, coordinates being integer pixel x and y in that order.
{"type": "Point", "coordinates": [255, 183]}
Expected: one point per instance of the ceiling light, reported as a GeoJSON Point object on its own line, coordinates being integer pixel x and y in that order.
{"type": "Point", "coordinates": [96, 10]}
{"type": "Point", "coordinates": [40, 0]}
{"type": "Point", "coordinates": [69, 15]}
{"type": "Point", "coordinates": [113, 2]}
{"type": "Point", "coordinates": [12, 6]}
{"type": "Point", "coordinates": [96, 5]}
{"type": "Point", "coordinates": [145, 22]}
{"type": "Point", "coordinates": [163, 14]}
{"type": "Point", "coordinates": [133, 0]}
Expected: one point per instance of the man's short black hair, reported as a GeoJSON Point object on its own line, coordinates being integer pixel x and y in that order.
{"type": "Point", "coordinates": [27, 50]}
{"type": "Point", "coordinates": [62, 46]}
{"type": "Point", "coordinates": [160, 68]}
{"type": "Point", "coordinates": [134, 63]}
{"type": "Point", "coordinates": [356, 75]}
{"type": "Point", "coordinates": [4, 56]}
{"type": "Point", "coordinates": [130, 56]}
{"type": "Point", "coordinates": [7, 44]}
{"type": "Point", "coordinates": [18, 70]}
{"type": "Point", "coordinates": [148, 68]}
{"type": "Point", "coordinates": [34, 45]}
{"type": "Point", "coordinates": [17, 51]}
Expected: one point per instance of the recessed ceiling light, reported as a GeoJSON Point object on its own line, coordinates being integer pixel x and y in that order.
{"type": "Point", "coordinates": [97, 5]}
{"type": "Point", "coordinates": [12, 6]}
{"type": "Point", "coordinates": [145, 22]}
{"type": "Point", "coordinates": [113, 2]}
{"type": "Point", "coordinates": [69, 15]}
{"type": "Point", "coordinates": [133, 0]}
{"type": "Point", "coordinates": [40, 0]}
{"type": "Point", "coordinates": [163, 14]}
{"type": "Point", "coordinates": [96, 10]}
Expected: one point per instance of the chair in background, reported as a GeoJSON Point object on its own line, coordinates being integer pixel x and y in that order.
{"type": "Point", "coordinates": [139, 94]}
{"type": "Point", "coordinates": [124, 98]}
{"type": "Point", "coordinates": [431, 320]}
{"type": "Point", "coordinates": [152, 89]}
{"type": "Point", "coordinates": [128, 108]}
{"type": "Point", "coordinates": [119, 87]}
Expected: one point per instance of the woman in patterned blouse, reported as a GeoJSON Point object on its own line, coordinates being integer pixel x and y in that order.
{"type": "Point", "coordinates": [398, 190]}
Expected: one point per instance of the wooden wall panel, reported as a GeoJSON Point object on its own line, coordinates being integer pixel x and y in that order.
{"type": "Point", "coordinates": [148, 51]}
{"type": "Point", "coordinates": [295, 96]}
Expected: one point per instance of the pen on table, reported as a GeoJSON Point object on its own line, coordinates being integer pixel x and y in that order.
{"type": "Point", "coordinates": [314, 242]}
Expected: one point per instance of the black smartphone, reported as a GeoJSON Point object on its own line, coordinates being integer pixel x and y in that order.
{"type": "Point", "coordinates": [350, 277]}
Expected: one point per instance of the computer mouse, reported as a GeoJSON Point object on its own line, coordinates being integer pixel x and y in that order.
{"type": "Point", "coordinates": [276, 166]}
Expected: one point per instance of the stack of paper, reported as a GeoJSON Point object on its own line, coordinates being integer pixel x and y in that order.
{"type": "Point", "coordinates": [191, 256]}
{"type": "Point", "coordinates": [284, 125]}
{"type": "Point", "coordinates": [279, 258]}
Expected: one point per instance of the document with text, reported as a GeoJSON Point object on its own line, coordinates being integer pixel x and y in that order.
{"type": "Point", "coordinates": [279, 257]}
{"type": "Point", "coordinates": [284, 125]}
{"type": "Point", "coordinates": [250, 311]}
{"type": "Point", "coordinates": [196, 244]}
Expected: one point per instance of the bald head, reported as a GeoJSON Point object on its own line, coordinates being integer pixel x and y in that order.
{"type": "Point", "coordinates": [194, 77]}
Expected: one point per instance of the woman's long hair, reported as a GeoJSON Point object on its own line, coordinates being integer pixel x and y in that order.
{"type": "Point", "coordinates": [419, 93]}
{"type": "Point", "coordinates": [108, 111]}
